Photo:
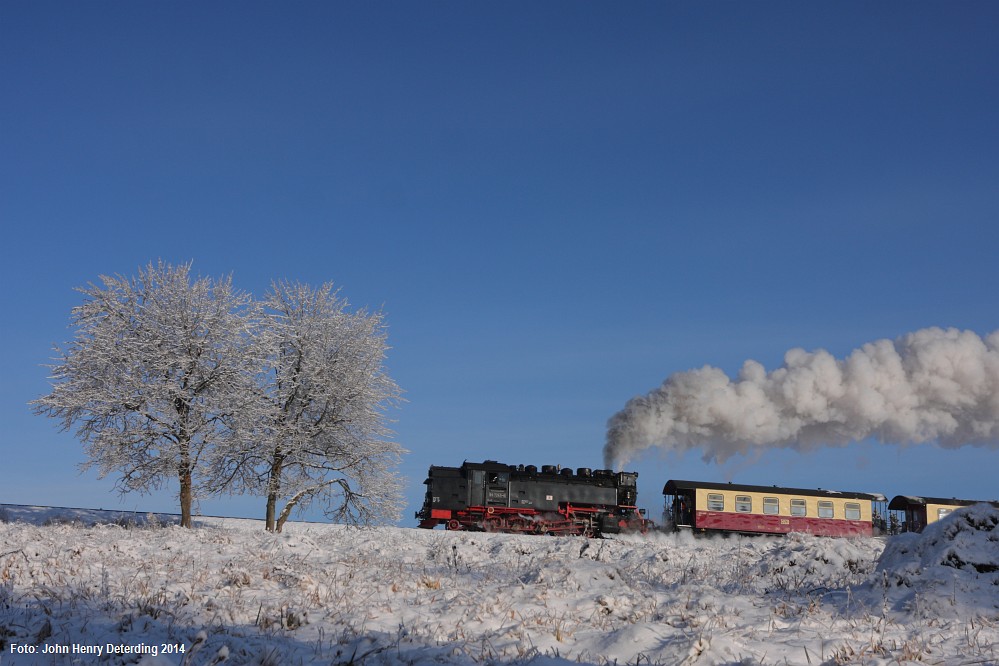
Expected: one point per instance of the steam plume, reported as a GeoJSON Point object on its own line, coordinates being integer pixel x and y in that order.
{"type": "Point", "coordinates": [931, 385]}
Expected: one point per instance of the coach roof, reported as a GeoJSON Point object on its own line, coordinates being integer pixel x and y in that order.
{"type": "Point", "coordinates": [673, 486]}
{"type": "Point", "coordinates": [900, 502]}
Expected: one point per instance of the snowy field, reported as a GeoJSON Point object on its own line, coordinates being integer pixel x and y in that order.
{"type": "Point", "coordinates": [75, 585]}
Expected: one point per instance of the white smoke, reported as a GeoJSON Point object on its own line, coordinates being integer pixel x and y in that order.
{"type": "Point", "coordinates": [935, 384]}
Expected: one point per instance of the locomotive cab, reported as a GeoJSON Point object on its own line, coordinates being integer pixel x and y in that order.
{"type": "Point", "coordinates": [489, 487]}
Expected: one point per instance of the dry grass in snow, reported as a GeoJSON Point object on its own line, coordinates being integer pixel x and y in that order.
{"type": "Point", "coordinates": [329, 594]}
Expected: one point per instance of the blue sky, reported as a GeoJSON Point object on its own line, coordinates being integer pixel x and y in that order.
{"type": "Point", "coordinates": [557, 205]}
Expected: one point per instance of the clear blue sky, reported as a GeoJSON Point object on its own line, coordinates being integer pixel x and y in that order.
{"type": "Point", "coordinates": [557, 204]}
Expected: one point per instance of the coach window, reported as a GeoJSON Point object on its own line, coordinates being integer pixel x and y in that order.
{"type": "Point", "coordinates": [716, 502]}
{"type": "Point", "coordinates": [826, 509]}
{"type": "Point", "coordinates": [797, 507]}
{"type": "Point", "coordinates": [771, 506]}
{"type": "Point", "coordinates": [852, 511]}
{"type": "Point", "coordinates": [743, 503]}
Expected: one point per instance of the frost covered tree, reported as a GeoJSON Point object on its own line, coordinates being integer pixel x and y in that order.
{"type": "Point", "coordinates": [153, 379]}
{"type": "Point", "coordinates": [319, 429]}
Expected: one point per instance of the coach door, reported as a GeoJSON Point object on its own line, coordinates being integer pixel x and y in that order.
{"type": "Point", "coordinates": [915, 517]}
{"type": "Point", "coordinates": [681, 508]}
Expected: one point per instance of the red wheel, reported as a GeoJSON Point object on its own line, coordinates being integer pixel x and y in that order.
{"type": "Point", "coordinates": [492, 525]}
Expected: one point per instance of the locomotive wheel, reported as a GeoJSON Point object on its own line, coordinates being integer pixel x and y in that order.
{"type": "Point", "coordinates": [453, 525]}
{"type": "Point", "coordinates": [492, 525]}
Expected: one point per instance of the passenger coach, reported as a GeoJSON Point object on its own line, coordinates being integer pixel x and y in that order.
{"type": "Point", "coordinates": [726, 507]}
{"type": "Point", "coordinates": [915, 513]}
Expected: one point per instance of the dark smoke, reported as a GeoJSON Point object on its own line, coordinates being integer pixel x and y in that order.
{"type": "Point", "coordinates": [931, 385]}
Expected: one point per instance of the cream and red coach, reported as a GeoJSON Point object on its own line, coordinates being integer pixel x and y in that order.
{"type": "Point", "coordinates": [727, 507]}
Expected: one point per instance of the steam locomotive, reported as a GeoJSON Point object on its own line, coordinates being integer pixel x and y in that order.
{"type": "Point", "coordinates": [493, 497]}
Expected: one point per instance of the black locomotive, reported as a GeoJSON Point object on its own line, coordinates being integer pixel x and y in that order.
{"type": "Point", "coordinates": [493, 497]}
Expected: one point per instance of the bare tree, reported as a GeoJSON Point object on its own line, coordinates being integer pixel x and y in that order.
{"type": "Point", "coordinates": [320, 428]}
{"type": "Point", "coordinates": [153, 379]}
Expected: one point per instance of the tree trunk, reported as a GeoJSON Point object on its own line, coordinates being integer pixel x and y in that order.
{"type": "Point", "coordinates": [184, 471]}
{"type": "Point", "coordinates": [296, 498]}
{"type": "Point", "coordinates": [269, 516]}
{"type": "Point", "coordinates": [286, 511]}
{"type": "Point", "coordinates": [283, 519]}
{"type": "Point", "coordinates": [185, 495]}
{"type": "Point", "coordinates": [273, 490]}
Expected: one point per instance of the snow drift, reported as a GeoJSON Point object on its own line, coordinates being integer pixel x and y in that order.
{"type": "Point", "coordinates": [953, 563]}
{"type": "Point", "coordinates": [931, 385]}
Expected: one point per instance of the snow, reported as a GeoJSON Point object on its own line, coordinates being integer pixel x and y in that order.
{"type": "Point", "coordinates": [954, 563]}
{"type": "Point", "coordinates": [333, 594]}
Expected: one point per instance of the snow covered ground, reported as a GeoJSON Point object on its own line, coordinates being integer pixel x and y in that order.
{"type": "Point", "coordinates": [71, 587]}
